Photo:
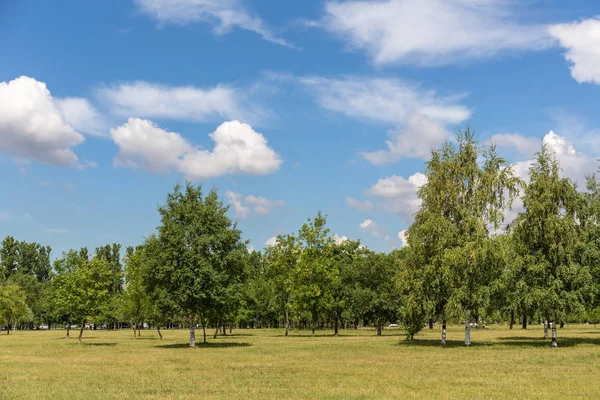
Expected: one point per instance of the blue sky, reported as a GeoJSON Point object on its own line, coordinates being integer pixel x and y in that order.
{"type": "Point", "coordinates": [285, 107]}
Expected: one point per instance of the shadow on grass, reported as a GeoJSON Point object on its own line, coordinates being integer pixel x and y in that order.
{"type": "Point", "coordinates": [517, 341]}
{"type": "Point", "coordinates": [212, 345]}
{"type": "Point", "coordinates": [99, 344]}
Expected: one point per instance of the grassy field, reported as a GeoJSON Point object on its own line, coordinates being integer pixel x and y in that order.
{"type": "Point", "coordinates": [263, 364]}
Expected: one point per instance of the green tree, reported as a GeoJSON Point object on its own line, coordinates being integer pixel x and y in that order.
{"type": "Point", "coordinates": [195, 258]}
{"type": "Point", "coordinates": [13, 307]}
{"type": "Point", "coordinates": [314, 273]}
{"type": "Point", "coordinates": [547, 237]}
{"type": "Point", "coordinates": [448, 269]}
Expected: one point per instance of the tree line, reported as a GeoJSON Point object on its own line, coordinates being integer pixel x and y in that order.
{"type": "Point", "coordinates": [462, 263]}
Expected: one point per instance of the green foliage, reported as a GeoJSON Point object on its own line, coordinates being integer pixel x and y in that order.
{"type": "Point", "coordinates": [13, 307]}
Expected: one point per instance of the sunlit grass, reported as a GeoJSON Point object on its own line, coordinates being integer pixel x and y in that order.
{"type": "Point", "coordinates": [263, 364]}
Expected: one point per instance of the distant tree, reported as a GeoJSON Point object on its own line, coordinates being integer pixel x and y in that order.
{"type": "Point", "coordinates": [13, 307]}
{"type": "Point", "coordinates": [547, 237]}
{"type": "Point", "coordinates": [9, 257]}
{"type": "Point", "coordinates": [195, 257]}
{"type": "Point", "coordinates": [314, 274]}
{"type": "Point", "coordinates": [112, 255]}
{"type": "Point", "coordinates": [281, 261]}
{"type": "Point", "coordinates": [345, 256]}
{"type": "Point", "coordinates": [136, 302]}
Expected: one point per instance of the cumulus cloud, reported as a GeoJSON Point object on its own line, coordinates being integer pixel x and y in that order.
{"type": "Point", "coordinates": [581, 39]}
{"type": "Point", "coordinates": [237, 149]}
{"type": "Point", "coordinates": [272, 241]}
{"type": "Point", "coordinates": [432, 32]}
{"type": "Point", "coordinates": [249, 205]}
{"type": "Point", "coordinates": [390, 101]}
{"type": "Point", "coordinates": [364, 206]}
{"type": "Point", "coordinates": [223, 14]}
{"type": "Point", "coordinates": [399, 195]}
{"type": "Point", "coordinates": [184, 103]}
{"type": "Point", "coordinates": [416, 140]}
{"type": "Point", "coordinates": [32, 125]}
{"type": "Point", "coordinates": [83, 116]}
{"type": "Point", "coordinates": [339, 239]}
{"type": "Point", "coordinates": [402, 235]}
{"type": "Point", "coordinates": [526, 146]}
{"type": "Point", "coordinates": [371, 227]}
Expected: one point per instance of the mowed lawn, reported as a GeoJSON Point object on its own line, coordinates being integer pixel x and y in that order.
{"type": "Point", "coordinates": [263, 364]}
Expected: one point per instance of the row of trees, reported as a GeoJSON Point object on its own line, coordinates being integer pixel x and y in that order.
{"type": "Point", "coordinates": [462, 262]}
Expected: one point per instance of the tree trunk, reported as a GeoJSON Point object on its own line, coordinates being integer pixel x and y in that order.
{"type": "Point", "coordinates": [467, 330]}
{"type": "Point", "coordinates": [554, 342]}
{"type": "Point", "coordinates": [287, 321]}
{"type": "Point", "coordinates": [335, 326]}
{"type": "Point", "coordinates": [443, 332]}
{"type": "Point", "coordinates": [8, 329]}
{"type": "Point", "coordinates": [134, 336]}
{"type": "Point", "coordinates": [562, 324]}
{"type": "Point", "coordinates": [193, 335]}
{"type": "Point", "coordinates": [512, 319]}
{"type": "Point", "coordinates": [216, 331]}
{"type": "Point", "coordinates": [68, 329]}
{"type": "Point", "coordinates": [430, 323]}
{"type": "Point", "coordinates": [546, 322]}
{"type": "Point", "coordinates": [379, 328]}
{"type": "Point", "coordinates": [230, 328]}
{"type": "Point", "coordinates": [204, 331]}
{"type": "Point", "coordinates": [314, 322]}
{"type": "Point", "coordinates": [524, 321]}
{"type": "Point", "coordinates": [158, 330]}
{"type": "Point", "coordinates": [81, 331]}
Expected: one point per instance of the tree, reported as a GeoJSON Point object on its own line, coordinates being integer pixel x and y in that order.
{"type": "Point", "coordinates": [81, 289]}
{"type": "Point", "coordinates": [136, 301]}
{"type": "Point", "coordinates": [547, 236]}
{"type": "Point", "coordinates": [371, 287]}
{"type": "Point", "coordinates": [448, 267]}
{"type": "Point", "coordinates": [281, 260]}
{"type": "Point", "coordinates": [13, 307]}
{"type": "Point", "coordinates": [195, 257]}
{"type": "Point", "coordinates": [313, 274]}
{"type": "Point", "coordinates": [112, 255]}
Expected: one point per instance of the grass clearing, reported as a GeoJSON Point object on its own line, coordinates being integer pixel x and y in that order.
{"type": "Point", "coordinates": [264, 364]}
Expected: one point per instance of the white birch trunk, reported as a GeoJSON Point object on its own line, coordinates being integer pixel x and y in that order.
{"type": "Point", "coordinates": [467, 330]}
{"type": "Point", "coordinates": [443, 332]}
{"type": "Point", "coordinates": [193, 335]}
{"type": "Point", "coordinates": [546, 322]}
{"type": "Point", "coordinates": [554, 342]}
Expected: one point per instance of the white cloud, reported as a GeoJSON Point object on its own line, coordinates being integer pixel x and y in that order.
{"type": "Point", "coordinates": [364, 206]}
{"type": "Point", "coordinates": [272, 241]}
{"type": "Point", "coordinates": [581, 39]}
{"type": "Point", "coordinates": [238, 149]}
{"type": "Point", "coordinates": [526, 146]}
{"type": "Point", "coordinates": [416, 140]}
{"type": "Point", "coordinates": [399, 194]}
{"type": "Point", "coordinates": [431, 32]}
{"type": "Point", "coordinates": [250, 248]}
{"type": "Point", "coordinates": [32, 125]}
{"type": "Point", "coordinates": [384, 100]}
{"type": "Point", "coordinates": [402, 235]}
{"type": "Point", "coordinates": [186, 103]}
{"type": "Point", "coordinates": [339, 239]}
{"type": "Point", "coordinates": [371, 227]}
{"type": "Point", "coordinates": [82, 116]}
{"type": "Point", "coordinates": [59, 231]}
{"type": "Point", "coordinates": [244, 207]}
{"type": "Point", "coordinates": [225, 14]}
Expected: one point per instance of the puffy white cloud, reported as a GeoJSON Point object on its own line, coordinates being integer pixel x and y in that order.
{"type": "Point", "coordinates": [82, 116]}
{"type": "Point", "coordinates": [238, 149]}
{"type": "Point", "coordinates": [251, 204]}
{"type": "Point", "coordinates": [384, 100]}
{"type": "Point", "coordinates": [371, 227]}
{"type": "Point", "coordinates": [186, 103]}
{"type": "Point", "coordinates": [583, 52]}
{"type": "Point", "coordinates": [364, 206]}
{"type": "Point", "coordinates": [402, 235]}
{"type": "Point", "coordinates": [399, 194]}
{"type": "Point", "coordinates": [225, 14]}
{"type": "Point", "coordinates": [416, 140]}
{"type": "Point", "coordinates": [32, 125]}
{"type": "Point", "coordinates": [431, 32]}
{"type": "Point", "coordinates": [272, 241]}
{"type": "Point", "coordinates": [339, 239]}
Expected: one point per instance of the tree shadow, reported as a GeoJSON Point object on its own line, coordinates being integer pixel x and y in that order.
{"type": "Point", "coordinates": [99, 344]}
{"type": "Point", "coordinates": [212, 345]}
{"type": "Point", "coordinates": [437, 343]}
{"type": "Point", "coordinates": [517, 341]}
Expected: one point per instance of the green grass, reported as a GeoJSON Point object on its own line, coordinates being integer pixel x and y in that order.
{"type": "Point", "coordinates": [263, 364]}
